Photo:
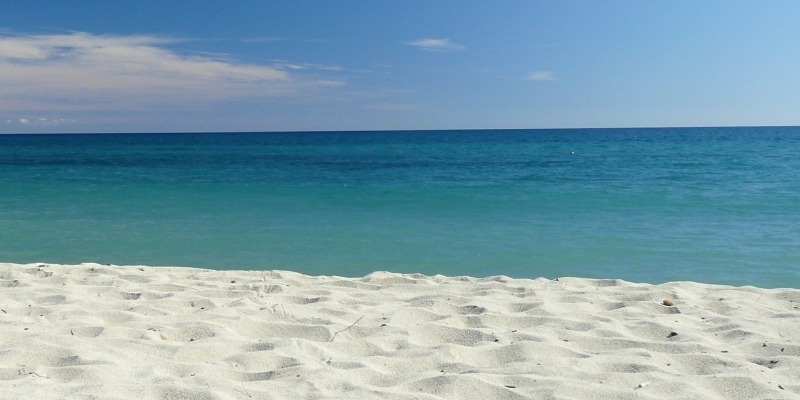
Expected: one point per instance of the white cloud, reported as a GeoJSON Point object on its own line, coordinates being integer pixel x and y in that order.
{"type": "Point", "coordinates": [541, 76]}
{"type": "Point", "coordinates": [81, 71]}
{"type": "Point", "coordinates": [282, 64]}
{"type": "Point", "coordinates": [281, 39]}
{"type": "Point", "coordinates": [46, 122]}
{"type": "Point", "coordinates": [264, 39]}
{"type": "Point", "coordinates": [436, 45]}
{"type": "Point", "coordinates": [329, 67]}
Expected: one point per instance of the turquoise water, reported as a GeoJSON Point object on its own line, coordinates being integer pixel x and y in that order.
{"type": "Point", "coordinates": [718, 205]}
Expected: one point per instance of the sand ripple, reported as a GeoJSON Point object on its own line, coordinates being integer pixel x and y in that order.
{"type": "Point", "coordinates": [105, 332]}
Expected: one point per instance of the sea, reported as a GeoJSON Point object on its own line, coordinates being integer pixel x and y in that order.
{"type": "Point", "coordinates": [711, 205]}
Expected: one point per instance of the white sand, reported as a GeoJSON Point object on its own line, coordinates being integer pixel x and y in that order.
{"type": "Point", "coordinates": [105, 332]}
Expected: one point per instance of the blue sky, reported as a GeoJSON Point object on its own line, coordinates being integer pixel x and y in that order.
{"type": "Point", "coordinates": [166, 66]}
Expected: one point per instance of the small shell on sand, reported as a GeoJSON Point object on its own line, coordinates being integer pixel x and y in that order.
{"type": "Point", "coordinates": [668, 303]}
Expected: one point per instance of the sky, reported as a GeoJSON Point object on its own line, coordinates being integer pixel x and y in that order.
{"type": "Point", "coordinates": [236, 65]}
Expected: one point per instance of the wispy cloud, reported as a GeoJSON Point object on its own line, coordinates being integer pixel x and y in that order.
{"type": "Point", "coordinates": [44, 121]}
{"type": "Point", "coordinates": [444, 45]}
{"type": "Point", "coordinates": [286, 64]}
{"type": "Point", "coordinates": [281, 39]}
{"type": "Point", "coordinates": [85, 71]}
{"type": "Point", "coordinates": [541, 76]}
{"type": "Point", "coordinates": [264, 39]}
{"type": "Point", "coordinates": [327, 67]}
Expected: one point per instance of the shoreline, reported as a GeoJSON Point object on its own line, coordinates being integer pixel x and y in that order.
{"type": "Point", "coordinates": [73, 331]}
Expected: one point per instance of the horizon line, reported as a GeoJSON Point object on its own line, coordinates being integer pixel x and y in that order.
{"type": "Point", "coordinates": [404, 130]}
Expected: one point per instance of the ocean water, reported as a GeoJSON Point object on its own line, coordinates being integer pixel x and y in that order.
{"type": "Point", "coordinates": [716, 205]}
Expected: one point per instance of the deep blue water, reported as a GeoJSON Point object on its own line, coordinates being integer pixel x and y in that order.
{"type": "Point", "coordinates": [718, 205]}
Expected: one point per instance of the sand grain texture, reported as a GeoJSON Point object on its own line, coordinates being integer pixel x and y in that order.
{"type": "Point", "coordinates": [106, 332]}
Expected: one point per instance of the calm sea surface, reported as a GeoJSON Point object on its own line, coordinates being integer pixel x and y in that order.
{"type": "Point", "coordinates": [718, 205]}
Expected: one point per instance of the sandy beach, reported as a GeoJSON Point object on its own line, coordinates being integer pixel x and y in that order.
{"type": "Point", "coordinates": [94, 331]}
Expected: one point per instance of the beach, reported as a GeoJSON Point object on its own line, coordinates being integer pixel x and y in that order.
{"type": "Point", "coordinates": [94, 331]}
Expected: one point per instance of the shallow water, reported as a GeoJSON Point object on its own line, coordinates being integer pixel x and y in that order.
{"type": "Point", "coordinates": [718, 205]}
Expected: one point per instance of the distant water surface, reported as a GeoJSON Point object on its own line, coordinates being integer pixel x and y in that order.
{"type": "Point", "coordinates": [718, 205]}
